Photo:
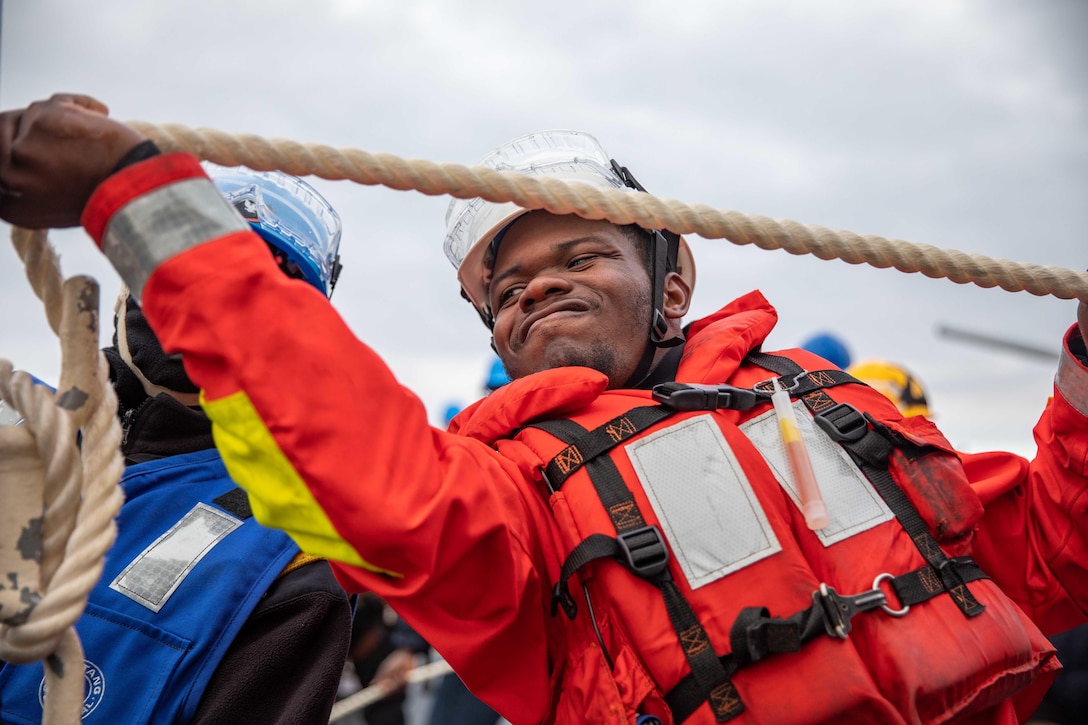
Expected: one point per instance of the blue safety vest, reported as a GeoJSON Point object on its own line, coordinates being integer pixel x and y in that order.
{"type": "Point", "coordinates": [189, 566]}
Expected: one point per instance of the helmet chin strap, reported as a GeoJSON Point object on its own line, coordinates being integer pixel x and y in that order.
{"type": "Point", "coordinates": [664, 248]}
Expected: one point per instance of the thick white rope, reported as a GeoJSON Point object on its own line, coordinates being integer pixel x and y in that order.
{"type": "Point", "coordinates": [554, 195]}
{"type": "Point", "coordinates": [78, 486]}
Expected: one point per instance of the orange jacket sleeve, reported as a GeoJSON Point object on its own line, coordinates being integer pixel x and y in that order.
{"type": "Point", "coordinates": [329, 446]}
{"type": "Point", "coordinates": [1034, 535]}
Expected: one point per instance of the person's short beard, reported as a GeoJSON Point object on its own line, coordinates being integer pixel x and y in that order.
{"type": "Point", "coordinates": [599, 357]}
{"type": "Point", "coordinates": [599, 354]}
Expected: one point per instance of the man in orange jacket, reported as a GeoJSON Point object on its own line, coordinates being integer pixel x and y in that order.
{"type": "Point", "coordinates": [618, 534]}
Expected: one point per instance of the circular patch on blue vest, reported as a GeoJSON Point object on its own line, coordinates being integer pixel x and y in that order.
{"type": "Point", "coordinates": [94, 688]}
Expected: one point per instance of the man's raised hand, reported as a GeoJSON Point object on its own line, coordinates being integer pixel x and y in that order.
{"type": "Point", "coordinates": [53, 154]}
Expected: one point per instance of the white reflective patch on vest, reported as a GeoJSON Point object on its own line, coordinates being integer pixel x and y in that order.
{"type": "Point", "coordinates": [707, 508]}
{"type": "Point", "coordinates": [852, 502]}
{"type": "Point", "coordinates": [160, 569]}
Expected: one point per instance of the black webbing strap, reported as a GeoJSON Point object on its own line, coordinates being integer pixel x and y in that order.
{"type": "Point", "coordinates": [587, 445]}
{"type": "Point", "coordinates": [807, 381]}
{"type": "Point", "coordinates": [794, 378]}
{"type": "Point", "coordinates": [870, 444]}
{"type": "Point", "coordinates": [871, 453]}
{"type": "Point", "coordinates": [641, 551]}
{"type": "Point", "coordinates": [710, 677]}
{"type": "Point", "coordinates": [774, 363]}
{"type": "Point", "coordinates": [636, 540]}
{"type": "Point", "coordinates": [755, 635]}
{"type": "Point", "coordinates": [923, 584]}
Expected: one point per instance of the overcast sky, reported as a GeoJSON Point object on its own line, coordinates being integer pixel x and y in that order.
{"type": "Point", "coordinates": [960, 124]}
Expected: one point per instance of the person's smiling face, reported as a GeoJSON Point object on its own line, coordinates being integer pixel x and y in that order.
{"type": "Point", "coordinates": [569, 291]}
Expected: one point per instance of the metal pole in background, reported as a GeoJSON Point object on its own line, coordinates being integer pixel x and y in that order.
{"type": "Point", "coordinates": [999, 343]}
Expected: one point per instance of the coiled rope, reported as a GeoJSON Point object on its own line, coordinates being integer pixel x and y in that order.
{"type": "Point", "coordinates": [559, 197]}
{"type": "Point", "coordinates": [58, 497]}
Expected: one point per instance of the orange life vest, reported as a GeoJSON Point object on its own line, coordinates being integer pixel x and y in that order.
{"type": "Point", "coordinates": [748, 615]}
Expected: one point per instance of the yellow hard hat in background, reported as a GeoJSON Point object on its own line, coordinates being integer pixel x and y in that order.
{"type": "Point", "coordinates": [895, 383]}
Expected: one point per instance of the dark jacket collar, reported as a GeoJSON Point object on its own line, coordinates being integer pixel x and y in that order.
{"type": "Point", "coordinates": [154, 427]}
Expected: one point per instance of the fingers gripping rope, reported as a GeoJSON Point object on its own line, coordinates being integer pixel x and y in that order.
{"type": "Point", "coordinates": [57, 500]}
{"type": "Point", "coordinates": [617, 206]}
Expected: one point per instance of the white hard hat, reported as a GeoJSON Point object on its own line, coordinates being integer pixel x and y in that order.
{"type": "Point", "coordinates": [472, 224]}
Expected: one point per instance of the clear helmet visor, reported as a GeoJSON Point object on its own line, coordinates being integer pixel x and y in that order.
{"type": "Point", "coordinates": [290, 215]}
{"type": "Point", "coordinates": [471, 224]}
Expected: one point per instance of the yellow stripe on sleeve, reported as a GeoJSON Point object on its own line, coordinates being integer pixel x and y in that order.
{"type": "Point", "coordinates": [278, 496]}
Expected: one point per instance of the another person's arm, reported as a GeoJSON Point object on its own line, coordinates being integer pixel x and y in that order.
{"type": "Point", "coordinates": [1034, 535]}
{"type": "Point", "coordinates": [284, 666]}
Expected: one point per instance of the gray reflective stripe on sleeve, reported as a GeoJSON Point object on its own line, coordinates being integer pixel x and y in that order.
{"type": "Point", "coordinates": [703, 501]}
{"type": "Point", "coordinates": [156, 226]}
{"type": "Point", "coordinates": [852, 503]}
{"type": "Point", "coordinates": [1072, 382]}
{"type": "Point", "coordinates": [160, 569]}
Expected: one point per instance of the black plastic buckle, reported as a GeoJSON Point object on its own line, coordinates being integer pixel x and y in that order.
{"type": "Point", "coordinates": [755, 635]}
{"type": "Point", "coordinates": [659, 328]}
{"type": "Point", "coordinates": [693, 396]}
{"type": "Point", "coordinates": [561, 598]}
{"type": "Point", "coordinates": [644, 552]}
{"type": "Point", "coordinates": [843, 423]}
{"type": "Point", "coordinates": [626, 176]}
{"type": "Point", "coordinates": [838, 609]}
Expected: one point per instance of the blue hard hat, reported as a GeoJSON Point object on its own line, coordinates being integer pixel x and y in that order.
{"type": "Point", "coordinates": [830, 348]}
{"type": "Point", "coordinates": [290, 215]}
{"type": "Point", "coordinates": [496, 376]}
{"type": "Point", "coordinates": [451, 411]}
